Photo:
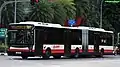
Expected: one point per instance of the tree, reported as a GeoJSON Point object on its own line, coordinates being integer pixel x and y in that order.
{"type": "Point", "coordinates": [69, 7]}
{"type": "Point", "coordinates": [66, 9]}
{"type": "Point", "coordinates": [82, 10]}
{"type": "Point", "coordinates": [59, 13]}
{"type": "Point", "coordinates": [111, 17]}
{"type": "Point", "coordinates": [94, 13]}
{"type": "Point", "coordinates": [8, 13]}
{"type": "Point", "coordinates": [52, 11]}
{"type": "Point", "coordinates": [42, 11]}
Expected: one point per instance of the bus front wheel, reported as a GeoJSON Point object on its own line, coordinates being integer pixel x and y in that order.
{"type": "Point", "coordinates": [24, 57]}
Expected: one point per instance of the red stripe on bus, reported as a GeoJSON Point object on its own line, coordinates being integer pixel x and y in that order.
{"type": "Point", "coordinates": [108, 50]}
{"type": "Point", "coordinates": [90, 50]}
{"type": "Point", "coordinates": [61, 51]}
{"type": "Point", "coordinates": [55, 50]}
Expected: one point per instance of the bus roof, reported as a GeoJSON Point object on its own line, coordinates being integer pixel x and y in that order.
{"type": "Point", "coordinates": [42, 24]}
{"type": "Point", "coordinates": [59, 26]}
{"type": "Point", "coordinates": [90, 28]}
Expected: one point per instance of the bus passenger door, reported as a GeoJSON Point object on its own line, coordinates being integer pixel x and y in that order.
{"type": "Point", "coordinates": [96, 42]}
{"type": "Point", "coordinates": [67, 43]}
{"type": "Point", "coordinates": [85, 41]}
{"type": "Point", "coordinates": [39, 42]}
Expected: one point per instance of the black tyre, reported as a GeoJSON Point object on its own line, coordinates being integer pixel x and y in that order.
{"type": "Point", "coordinates": [76, 53]}
{"type": "Point", "coordinates": [57, 57]}
{"type": "Point", "coordinates": [24, 57]}
{"type": "Point", "coordinates": [47, 54]}
{"type": "Point", "coordinates": [101, 52]}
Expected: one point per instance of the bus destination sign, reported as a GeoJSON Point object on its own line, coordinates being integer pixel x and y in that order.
{"type": "Point", "coordinates": [21, 27]}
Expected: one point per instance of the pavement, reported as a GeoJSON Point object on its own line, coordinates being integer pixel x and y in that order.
{"type": "Point", "coordinates": [13, 61]}
{"type": "Point", "coordinates": [3, 54]}
{"type": "Point", "coordinates": [16, 61]}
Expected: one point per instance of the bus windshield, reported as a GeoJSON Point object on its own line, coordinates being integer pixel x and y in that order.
{"type": "Point", "coordinates": [20, 36]}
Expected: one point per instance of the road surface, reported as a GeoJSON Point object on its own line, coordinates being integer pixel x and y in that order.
{"type": "Point", "coordinates": [107, 61]}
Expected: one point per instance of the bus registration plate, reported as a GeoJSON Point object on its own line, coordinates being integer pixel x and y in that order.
{"type": "Point", "coordinates": [18, 52]}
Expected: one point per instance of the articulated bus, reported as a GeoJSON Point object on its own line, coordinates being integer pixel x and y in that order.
{"type": "Point", "coordinates": [29, 39]}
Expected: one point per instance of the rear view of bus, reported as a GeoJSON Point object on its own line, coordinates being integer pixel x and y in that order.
{"type": "Point", "coordinates": [21, 40]}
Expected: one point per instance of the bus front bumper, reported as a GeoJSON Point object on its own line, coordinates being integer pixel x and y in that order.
{"type": "Point", "coordinates": [31, 54]}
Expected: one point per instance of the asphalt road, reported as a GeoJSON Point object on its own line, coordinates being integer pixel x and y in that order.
{"type": "Point", "coordinates": [107, 61]}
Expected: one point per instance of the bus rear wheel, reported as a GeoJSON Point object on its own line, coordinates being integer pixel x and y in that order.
{"type": "Point", "coordinates": [102, 52]}
{"type": "Point", "coordinates": [77, 52]}
{"type": "Point", "coordinates": [57, 57]}
{"type": "Point", "coordinates": [47, 54]}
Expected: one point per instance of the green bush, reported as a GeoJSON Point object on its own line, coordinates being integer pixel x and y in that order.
{"type": "Point", "coordinates": [3, 48]}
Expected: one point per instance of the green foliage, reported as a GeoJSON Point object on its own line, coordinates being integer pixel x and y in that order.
{"type": "Point", "coordinates": [59, 13]}
{"type": "Point", "coordinates": [3, 47]}
{"type": "Point", "coordinates": [58, 10]}
{"type": "Point", "coordinates": [55, 12]}
{"type": "Point", "coordinates": [69, 7]}
{"type": "Point", "coordinates": [8, 12]}
{"type": "Point", "coordinates": [82, 10]}
{"type": "Point", "coordinates": [42, 11]}
{"type": "Point", "coordinates": [111, 16]}
{"type": "Point", "coordinates": [93, 14]}
{"type": "Point", "coordinates": [82, 7]}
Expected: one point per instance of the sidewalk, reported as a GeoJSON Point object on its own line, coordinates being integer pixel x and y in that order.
{"type": "Point", "coordinates": [5, 54]}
